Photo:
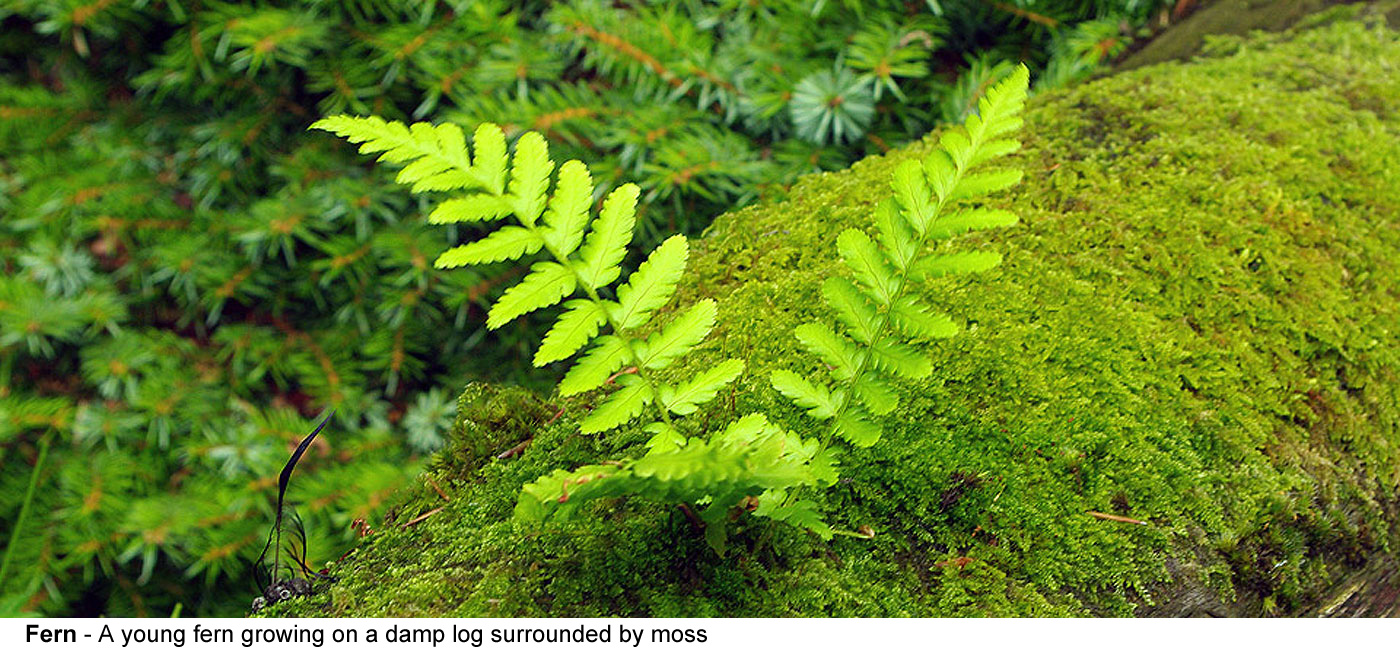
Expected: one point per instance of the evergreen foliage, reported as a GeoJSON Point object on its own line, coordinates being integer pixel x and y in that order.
{"type": "Point", "coordinates": [189, 276]}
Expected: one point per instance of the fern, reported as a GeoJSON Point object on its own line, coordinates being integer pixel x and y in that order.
{"type": "Point", "coordinates": [585, 258]}
{"type": "Point", "coordinates": [749, 458]}
{"type": "Point", "coordinates": [879, 317]}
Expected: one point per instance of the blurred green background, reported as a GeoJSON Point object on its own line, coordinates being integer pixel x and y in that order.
{"type": "Point", "coordinates": [191, 278]}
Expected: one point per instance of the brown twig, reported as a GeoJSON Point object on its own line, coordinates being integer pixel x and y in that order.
{"type": "Point", "coordinates": [421, 517]}
{"type": "Point", "coordinates": [1108, 517]}
{"type": "Point", "coordinates": [1028, 15]}
{"type": "Point", "coordinates": [959, 562]}
{"type": "Point", "coordinates": [438, 489]}
{"type": "Point", "coordinates": [514, 451]}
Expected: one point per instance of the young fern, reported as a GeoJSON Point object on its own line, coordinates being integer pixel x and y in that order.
{"type": "Point", "coordinates": [748, 458]}
{"type": "Point", "coordinates": [878, 313]}
{"type": "Point", "coordinates": [585, 256]}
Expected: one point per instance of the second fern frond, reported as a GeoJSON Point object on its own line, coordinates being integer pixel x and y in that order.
{"type": "Point", "coordinates": [880, 316]}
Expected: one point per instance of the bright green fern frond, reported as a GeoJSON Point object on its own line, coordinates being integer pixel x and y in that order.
{"type": "Point", "coordinates": [999, 111]}
{"type": "Point", "coordinates": [620, 407]}
{"type": "Point", "coordinates": [529, 177]}
{"type": "Point", "coordinates": [568, 208]}
{"type": "Point", "coordinates": [877, 310]}
{"type": "Point", "coordinates": [969, 220]}
{"type": "Point", "coordinates": [896, 237]}
{"type": "Point", "coordinates": [562, 492]}
{"type": "Point", "coordinates": [937, 266]}
{"type": "Point", "coordinates": [605, 357]}
{"type": "Point", "coordinates": [508, 243]}
{"type": "Point", "coordinates": [435, 158]}
{"type": "Point", "coordinates": [855, 311]}
{"type": "Point", "coordinates": [749, 458]}
{"type": "Point", "coordinates": [816, 398]}
{"type": "Point", "coordinates": [664, 437]}
{"type": "Point", "coordinates": [876, 394]}
{"type": "Point", "coordinates": [864, 257]}
{"type": "Point", "coordinates": [490, 163]}
{"type": "Point", "coordinates": [899, 359]}
{"type": "Point", "coordinates": [855, 427]}
{"type": "Point", "coordinates": [844, 358]}
{"type": "Point", "coordinates": [477, 207]}
{"type": "Point", "coordinates": [955, 143]}
{"type": "Point", "coordinates": [685, 398]}
{"type": "Point", "coordinates": [941, 173]}
{"type": "Point", "coordinates": [803, 514]}
{"type": "Point", "coordinates": [994, 149]}
{"type": "Point", "coordinates": [915, 199]}
{"type": "Point", "coordinates": [914, 320]}
{"type": "Point", "coordinates": [979, 185]}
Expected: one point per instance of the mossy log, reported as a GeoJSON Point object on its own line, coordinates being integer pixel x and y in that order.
{"type": "Point", "coordinates": [1240, 17]}
{"type": "Point", "coordinates": [1195, 328]}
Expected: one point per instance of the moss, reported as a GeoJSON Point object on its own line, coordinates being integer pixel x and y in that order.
{"type": "Point", "coordinates": [1195, 327]}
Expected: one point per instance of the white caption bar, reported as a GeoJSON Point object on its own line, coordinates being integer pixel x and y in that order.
{"type": "Point", "coordinates": [767, 634]}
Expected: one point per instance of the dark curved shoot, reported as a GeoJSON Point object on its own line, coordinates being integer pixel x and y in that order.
{"type": "Point", "coordinates": [274, 536]}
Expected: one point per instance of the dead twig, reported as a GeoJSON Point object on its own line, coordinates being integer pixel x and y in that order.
{"type": "Point", "coordinates": [514, 451]}
{"type": "Point", "coordinates": [1108, 517]}
{"type": "Point", "coordinates": [438, 489]}
{"type": "Point", "coordinates": [630, 370]}
{"type": "Point", "coordinates": [420, 518]}
{"type": "Point", "coordinates": [1028, 15]}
